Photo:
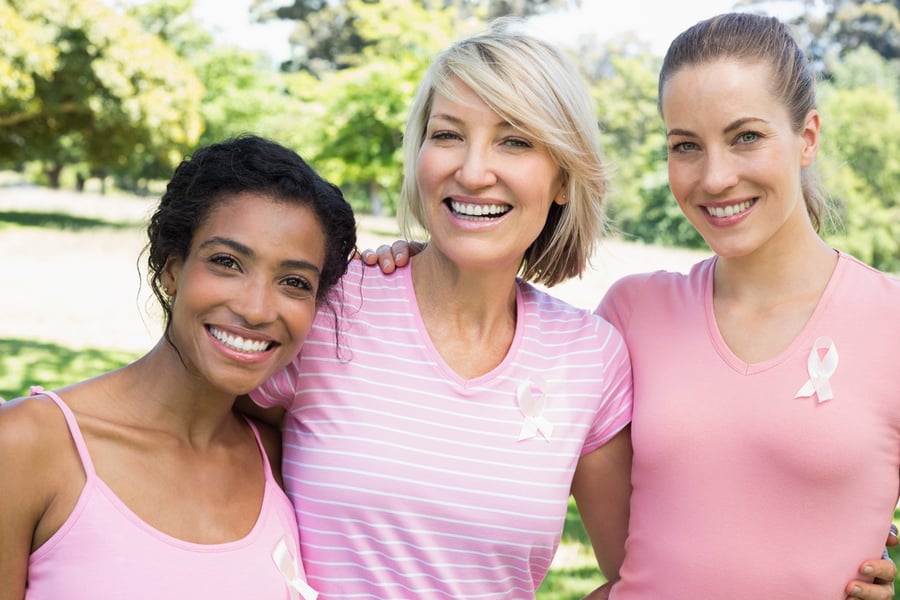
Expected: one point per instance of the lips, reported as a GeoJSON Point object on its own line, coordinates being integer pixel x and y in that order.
{"type": "Point", "coordinates": [720, 211]}
{"type": "Point", "coordinates": [477, 212]}
{"type": "Point", "coordinates": [241, 344]}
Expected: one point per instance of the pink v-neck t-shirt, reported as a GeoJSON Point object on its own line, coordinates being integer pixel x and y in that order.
{"type": "Point", "coordinates": [741, 489]}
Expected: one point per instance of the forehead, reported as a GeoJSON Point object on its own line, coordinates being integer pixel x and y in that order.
{"type": "Point", "coordinates": [455, 95]}
{"type": "Point", "coordinates": [249, 213]}
{"type": "Point", "coordinates": [721, 87]}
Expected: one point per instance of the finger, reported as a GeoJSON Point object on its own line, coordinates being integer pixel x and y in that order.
{"type": "Point", "coordinates": [870, 591]}
{"type": "Point", "coordinates": [368, 256]}
{"type": "Point", "coordinates": [386, 258]}
{"type": "Point", "coordinates": [400, 252]}
{"type": "Point", "coordinates": [892, 535]}
{"type": "Point", "coordinates": [883, 569]}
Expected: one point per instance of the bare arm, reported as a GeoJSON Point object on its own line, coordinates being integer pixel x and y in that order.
{"type": "Point", "coordinates": [602, 490]}
{"type": "Point", "coordinates": [27, 490]}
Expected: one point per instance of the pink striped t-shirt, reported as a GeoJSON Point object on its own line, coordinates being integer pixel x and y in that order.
{"type": "Point", "coordinates": [411, 482]}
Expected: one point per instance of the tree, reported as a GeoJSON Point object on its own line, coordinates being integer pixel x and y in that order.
{"type": "Point", "coordinates": [243, 92]}
{"type": "Point", "coordinates": [327, 36]}
{"type": "Point", "coordinates": [354, 118]}
{"type": "Point", "coordinates": [830, 28]}
{"type": "Point", "coordinates": [860, 157]}
{"type": "Point", "coordinates": [107, 96]}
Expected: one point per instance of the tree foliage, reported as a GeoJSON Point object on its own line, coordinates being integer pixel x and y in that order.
{"type": "Point", "coordinates": [242, 90]}
{"type": "Point", "coordinates": [356, 115]}
{"type": "Point", "coordinates": [833, 28]}
{"type": "Point", "coordinates": [87, 86]}
{"type": "Point", "coordinates": [860, 156]}
{"type": "Point", "coordinates": [328, 35]}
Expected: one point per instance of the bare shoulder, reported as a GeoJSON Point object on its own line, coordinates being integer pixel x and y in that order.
{"type": "Point", "coordinates": [45, 468]}
{"type": "Point", "coordinates": [271, 441]}
{"type": "Point", "coordinates": [28, 426]}
{"type": "Point", "coordinates": [34, 430]}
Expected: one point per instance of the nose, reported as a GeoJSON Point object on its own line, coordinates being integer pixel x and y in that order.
{"type": "Point", "coordinates": [719, 171]}
{"type": "Point", "coordinates": [254, 302]}
{"type": "Point", "coordinates": [477, 168]}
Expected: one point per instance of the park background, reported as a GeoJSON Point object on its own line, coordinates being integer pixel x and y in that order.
{"type": "Point", "coordinates": [99, 100]}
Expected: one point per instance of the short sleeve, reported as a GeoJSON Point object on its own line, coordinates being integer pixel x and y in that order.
{"type": "Point", "coordinates": [280, 390]}
{"type": "Point", "coordinates": [615, 408]}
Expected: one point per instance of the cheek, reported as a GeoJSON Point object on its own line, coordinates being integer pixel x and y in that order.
{"type": "Point", "coordinates": [301, 322]}
{"type": "Point", "coordinates": [677, 182]}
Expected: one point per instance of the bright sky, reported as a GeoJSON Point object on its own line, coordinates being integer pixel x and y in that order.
{"type": "Point", "coordinates": [654, 21]}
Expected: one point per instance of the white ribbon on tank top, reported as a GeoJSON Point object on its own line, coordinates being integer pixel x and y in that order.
{"type": "Point", "coordinates": [290, 569]}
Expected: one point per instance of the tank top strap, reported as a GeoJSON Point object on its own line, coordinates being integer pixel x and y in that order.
{"type": "Point", "coordinates": [74, 430]}
{"type": "Point", "coordinates": [262, 449]}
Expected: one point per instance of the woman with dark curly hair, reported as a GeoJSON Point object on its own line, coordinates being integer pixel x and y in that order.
{"type": "Point", "coordinates": [143, 482]}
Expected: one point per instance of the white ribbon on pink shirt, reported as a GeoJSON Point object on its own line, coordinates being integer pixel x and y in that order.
{"type": "Point", "coordinates": [532, 406]}
{"type": "Point", "coordinates": [820, 369]}
{"type": "Point", "coordinates": [289, 568]}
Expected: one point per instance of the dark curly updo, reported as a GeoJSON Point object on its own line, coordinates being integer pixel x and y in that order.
{"type": "Point", "coordinates": [246, 163]}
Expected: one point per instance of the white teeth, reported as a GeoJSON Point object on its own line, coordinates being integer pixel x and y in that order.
{"type": "Point", "coordinates": [479, 212]}
{"type": "Point", "coordinates": [238, 343]}
{"type": "Point", "coordinates": [730, 210]}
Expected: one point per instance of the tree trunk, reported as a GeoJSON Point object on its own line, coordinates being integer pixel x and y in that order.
{"type": "Point", "coordinates": [53, 171]}
{"type": "Point", "coordinates": [375, 199]}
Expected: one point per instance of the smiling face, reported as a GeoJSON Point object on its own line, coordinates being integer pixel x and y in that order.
{"type": "Point", "coordinates": [486, 187]}
{"type": "Point", "coordinates": [245, 296]}
{"type": "Point", "coordinates": [734, 160]}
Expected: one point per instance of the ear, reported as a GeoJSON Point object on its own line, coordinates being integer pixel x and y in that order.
{"type": "Point", "coordinates": [562, 196]}
{"type": "Point", "coordinates": [810, 139]}
{"type": "Point", "coordinates": [170, 274]}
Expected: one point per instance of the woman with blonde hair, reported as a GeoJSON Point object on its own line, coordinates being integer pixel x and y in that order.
{"type": "Point", "coordinates": [435, 456]}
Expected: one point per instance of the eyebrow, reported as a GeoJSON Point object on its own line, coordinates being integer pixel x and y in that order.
{"type": "Point", "coordinates": [247, 251]}
{"type": "Point", "coordinates": [458, 121]}
{"type": "Point", "coordinates": [736, 124]}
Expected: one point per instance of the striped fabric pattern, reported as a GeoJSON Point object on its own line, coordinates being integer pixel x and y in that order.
{"type": "Point", "coordinates": [411, 482]}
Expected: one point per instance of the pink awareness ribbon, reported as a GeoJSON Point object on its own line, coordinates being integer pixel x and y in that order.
{"type": "Point", "coordinates": [820, 369]}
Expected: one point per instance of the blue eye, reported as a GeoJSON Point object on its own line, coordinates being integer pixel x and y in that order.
{"type": "Point", "coordinates": [684, 147]}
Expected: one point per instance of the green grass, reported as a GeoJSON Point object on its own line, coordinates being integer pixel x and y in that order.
{"type": "Point", "coordinates": [59, 221]}
{"type": "Point", "coordinates": [572, 582]}
{"type": "Point", "coordinates": [24, 363]}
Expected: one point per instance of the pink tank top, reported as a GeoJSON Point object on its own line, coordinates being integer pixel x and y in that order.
{"type": "Point", "coordinates": [105, 551]}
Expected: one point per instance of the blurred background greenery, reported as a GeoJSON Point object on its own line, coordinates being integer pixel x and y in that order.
{"type": "Point", "coordinates": [112, 94]}
{"type": "Point", "coordinates": [109, 96]}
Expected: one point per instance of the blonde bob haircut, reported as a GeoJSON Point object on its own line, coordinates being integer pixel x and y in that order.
{"type": "Point", "coordinates": [532, 86]}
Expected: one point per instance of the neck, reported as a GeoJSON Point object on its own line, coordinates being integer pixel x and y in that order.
{"type": "Point", "coordinates": [478, 296]}
{"type": "Point", "coordinates": [804, 265]}
{"type": "Point", "coordinates": [470, 315]}
{"type": "Point", "coordinates": [177, 402]}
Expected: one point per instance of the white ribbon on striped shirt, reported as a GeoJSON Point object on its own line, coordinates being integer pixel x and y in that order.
{"type": "Point", "coordinates": [532, 406]}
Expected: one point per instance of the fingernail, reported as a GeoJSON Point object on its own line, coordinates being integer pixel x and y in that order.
{"type": "Point", "coordinates": [856, 589]}
{"type": "Point", "coordinates": [868, 570]}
